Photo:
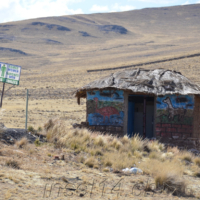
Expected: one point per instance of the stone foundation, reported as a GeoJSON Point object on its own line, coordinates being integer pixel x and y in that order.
{"type": "Point", "coordinates": [174, 130]}
{"type": "Point", "coordinates": [114, 130]}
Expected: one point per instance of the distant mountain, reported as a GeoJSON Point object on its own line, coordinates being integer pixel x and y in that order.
{"type": "Point", "coordinates": [101, 40]}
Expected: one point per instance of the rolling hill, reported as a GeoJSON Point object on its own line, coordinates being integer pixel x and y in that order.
{"type": "Point", "coordinates": [101, 40]}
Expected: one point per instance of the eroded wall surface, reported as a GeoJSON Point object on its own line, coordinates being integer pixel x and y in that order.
{"type": "Point", "coordinates": [105, 110]}
{"type": "Point", "coordinates": [174, 116]}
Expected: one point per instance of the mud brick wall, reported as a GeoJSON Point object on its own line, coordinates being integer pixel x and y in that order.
{"type": "Point", "coordinates": [182, 143]}
{"type": "Point", "coordinates": [175, 116]}
{"type": "Point", "coordinates": [118, 131]}
{"type": "Point", "coordinates": [174, 130]}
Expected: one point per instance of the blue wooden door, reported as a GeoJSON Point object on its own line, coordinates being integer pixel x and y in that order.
{"type": "Point", "coordinates": [131, 108]}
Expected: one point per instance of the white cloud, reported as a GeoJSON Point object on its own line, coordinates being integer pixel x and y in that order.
{"type": "Point", "coordinates": [117, 7]}
{"type": "Point", "coordinates": [96, 8]}
{"type": "Point", "coordinates": [198, 2]}
{"type": "Point", "coordinates": [13, 10]}
{"type": "Point", "coordinates": [114, 8]}
{"type": "Point", "coordinates": [186, 3]}
{"type": "Point", "coordinates": [158, 1]}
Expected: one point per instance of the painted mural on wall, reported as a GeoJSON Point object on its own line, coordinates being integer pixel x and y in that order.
{"type": "Point", "coordinates": [105, 107]}
{"type": "Point", "coordinates": [175, 109]}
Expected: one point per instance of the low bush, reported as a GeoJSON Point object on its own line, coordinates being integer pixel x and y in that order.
{"type": "Point", "coordinates": [155, 146]}
{"type": "Point", "coordinates": [154, 155]}
{"type": "Point", "coordinates": [197, 161]}
{"type": "Point", "coordinates": [31, 129]}
{"type": "Point", "coordinates": [91, 162]}
{"type": "Point", "coordinates": [137, 143]}
{"type": "Point", "coordinates": [37, 142]}
{"type": "Point", "coordinates": [39, 129]}
{"type": "Point", "coordinates": [186, 156]}
{"type": "Point", "coordinates": [21, 143]}
{"type": "Point", "coordinates": [12, 163]}
{"type": "Point", "coordinates": [171, 182]}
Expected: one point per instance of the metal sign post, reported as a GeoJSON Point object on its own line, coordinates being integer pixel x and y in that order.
{"type": "Point", "coordinates": [26, 110]}
{"type": "Point", "coordinates": [2, 95]}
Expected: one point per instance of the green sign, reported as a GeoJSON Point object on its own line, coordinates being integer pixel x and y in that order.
{"type": "Point", "coordinates": [10, 73]}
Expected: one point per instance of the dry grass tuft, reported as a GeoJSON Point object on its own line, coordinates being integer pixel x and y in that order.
{"type": "Point", "coordinates": [21, 143]}
{"type": "Point", "coordinates": [137, 143]}
{"type": "Point", "coordinates": [12, 163]}
{"type": "Point", "coordinates": [116, 144]}
{"type": "Point", "coordinates": [197, 174]}
{"type": "Point", "coordinates": [155, 146]}
{"type": "Point", "coordinates": [186, 156]}
{"type": "Point", "coordinates": [118, 161]}
{"type": "Point", "coordinates": [171, 182]}
{"type": "Point", "coordinates": [125, 140]}
{"type": "Point", "coordinates": [167, 174]}
{"type": "Point", "coordinates": [91, 162]}
{"type": "Point", "coordinates": [99, 141]}
{"type": "Point", "coordinates": [197, 161]}
{"type": "Point", "coordinates": [154, 155]}
{"type": "Point", "coordinates": [106, 169]}
{"type": "Point", "coordinates": [174, 150]}
{"type": "Point", "coordinates": [118, 153]}
{"type": "Point", "coordinates": [48, 125]}
{"type": "Point", "coordinates": [138, 154]}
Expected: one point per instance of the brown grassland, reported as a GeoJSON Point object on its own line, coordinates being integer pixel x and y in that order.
{"type": "Point", "coordinates": [54, 63]}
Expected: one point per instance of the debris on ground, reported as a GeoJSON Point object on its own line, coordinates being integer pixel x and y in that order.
{"type": "Point", "coordinates": [194, 151]}
{"type": "Point", "coordinates": [11, 135]}
{"type": "Point", "coordinates": [133, 170]}
{"type": "Point", "coordinates": [56, 158]}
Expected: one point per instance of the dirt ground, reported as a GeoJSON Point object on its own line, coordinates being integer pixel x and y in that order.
{"type": "Point", "coordinates": [50, 94]}
{"type": "Point", "coordinates": [41, 177]}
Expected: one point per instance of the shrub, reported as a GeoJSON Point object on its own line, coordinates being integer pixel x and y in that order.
{"type": "Point", "coordinates": [186, 156]}
{"type": "Point", "coordinates": [99, 140]}
{"type": "Point", "coordinates": [155, 146]}
{"type": "Point", "coordinates": [37, 142]}
{"type": "Point", "coordinates": [31, 129]}
{"type": "Point", "coordinates": [174, 150]}
{"type": "Point", "coordinates": [108, 163]}
{"type": "Point", "coordinates": [137, 143]}
{"type": "Point", "coordinates": [39, 129]}
{"type": "Point", "coordinates": [116, 144]}
{"type": "Point", "coordinates": [98, 152]}
{"type": "Point", "coordinates": [12, 163]}
{"type": "Point", "coordinates": [80, 159]}
{"type": "Point", "coordinates": [197, 174]}
{"type": "Point", "coordinates": [21, 143]}
{"type": "Point", "coordinates": [90, 162]}
{"type": "Point", "coordinates": [154, 155]}
{"type": "Point", "coordinates": [49, 124]}
{"type": "Point", "coordinates": [117, 160]}
{"type": "Point", "coordinates": [125, 140]}
{"type": "Point", "coordinates": [137, 154]}
{"type": "Point", "coordinates": [171, 182]}
{"type": "Point", "coordinates": [106, 170]}
{"type": "Point", "coordinates": [197, 161]}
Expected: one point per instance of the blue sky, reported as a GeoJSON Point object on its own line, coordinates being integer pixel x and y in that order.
{"type": "Point", "coordinates": [14, 10]}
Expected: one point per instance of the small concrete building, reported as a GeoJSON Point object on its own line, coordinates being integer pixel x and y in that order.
{"type": "Point", "coordinates": [151, 103]}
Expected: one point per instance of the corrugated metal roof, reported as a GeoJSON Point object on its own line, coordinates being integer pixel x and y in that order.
{"type": "Point", "coordinates": [156, 81]}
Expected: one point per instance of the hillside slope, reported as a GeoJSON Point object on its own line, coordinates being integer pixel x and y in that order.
{"type": "Point", "coordinates": [101, 40]}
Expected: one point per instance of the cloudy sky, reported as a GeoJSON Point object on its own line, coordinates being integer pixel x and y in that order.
{"type": "Point", "coordinates": [14, 10]}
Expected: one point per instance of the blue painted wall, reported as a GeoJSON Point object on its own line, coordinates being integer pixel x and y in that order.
{"type": "Point", "coordinates": [176, 109]}
{"type": "Point", "coordinates": [105, 107]}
